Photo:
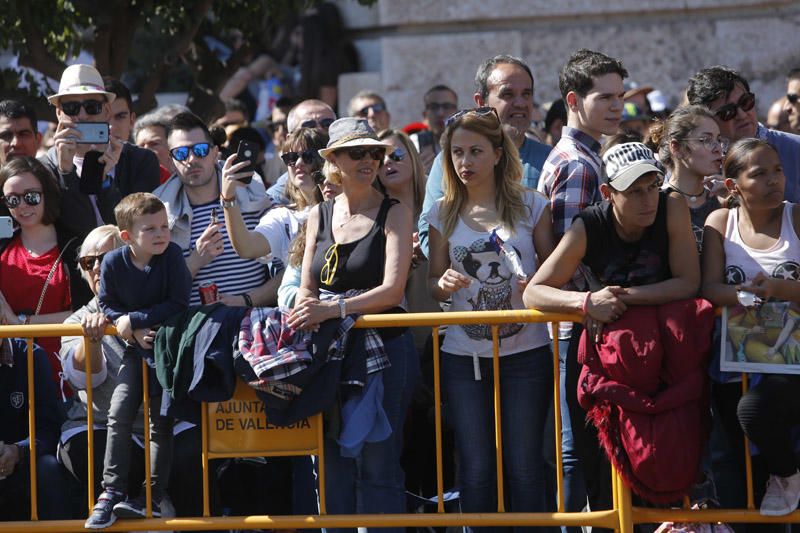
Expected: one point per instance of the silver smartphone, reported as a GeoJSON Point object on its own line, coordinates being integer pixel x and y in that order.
{"type": "Point", "coordinates": [6, 228]}
{"type": "Point", "coordinates": [92, 132]}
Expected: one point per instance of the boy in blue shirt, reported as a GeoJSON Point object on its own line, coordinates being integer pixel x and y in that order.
{"type": "Point", "coordinates": [141, 285]}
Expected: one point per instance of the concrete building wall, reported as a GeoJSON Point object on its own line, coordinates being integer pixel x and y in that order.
{"type": "Point", "coordinates": [407, 46]}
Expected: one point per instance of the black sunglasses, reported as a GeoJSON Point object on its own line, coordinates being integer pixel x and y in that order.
{"type": "Point", "coordinates": [92, 107]}
{"type": "Point", "coordinates": [87, 262]}
{"type": "Point", "coordinates": [181, 153]}
{"type": "Point", "coordinates": [308, 156]}
{"type": "Point", "coordinates": [728, 111]}
{"type": "Point", "coordinates": [31, 198]}
{"type": "Point", "coordinates": [398, 154]}
{"type": "Point", "coordinates": [325, 123]}
{"type": "Point", "coordinates": [357, 154]}
{"type": "Point", "coordinates": [480, 111]}
{"type": "Point", "coordinates": [793, 98]}
{"type": "Point", "coordinates": [318, 177]}
{"type": "Point", "coordinates": [364, 111]}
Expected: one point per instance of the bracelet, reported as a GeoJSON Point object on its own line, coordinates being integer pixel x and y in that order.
{"type": "Point", "coordinates": [247, 300]}
{"type": "Point", "coordinates": [342, 309]}
{"type": "Point", "coordinates": [227, 202]}
{"type": "Point", "coordinates": [585, 305]}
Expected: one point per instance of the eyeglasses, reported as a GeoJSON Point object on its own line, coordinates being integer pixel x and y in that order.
{"type": "Point", "coordinates": [480, 111]}
{"type": "Point", "coordinates": [709, 143]}
{"type": "Point", "coordinates": [31, 198]}
{"type": "Point", "coordinates": [793, 98]}
{"type": "Point", "coordinates": [92, 107]}
{"type": "Point", "coordinates": [398, 154]}
{"type": "Point", "coordinates": [357, 154]}
{"type": "Point", "coordinates": [728, 111]}
{"type": "Point", "coordinates": [328, 271]}
{"type": "Point", "coordinates": [87, 262]}
{"type": "Point", "coordinates": [291, 158]}
{"type": "Point", "coordinates": [325, 123]}
{"type": "Point", "coordinates": [181, 153]}
{"type": "Point", "coordinates": [435, 107]}
{"type": "Point", "coordinates": [364, 111]}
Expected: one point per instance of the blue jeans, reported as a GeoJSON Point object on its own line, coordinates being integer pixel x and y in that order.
{"type": "Point", "coordinates": [374, 482]}
{"type": "Point", "coordinates": [526, 381]}
{"type": "Point", "coordinates": [574, 485]}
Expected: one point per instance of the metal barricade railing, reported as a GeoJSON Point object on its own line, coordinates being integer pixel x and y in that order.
{"type": "Point", "coordinates": [621, 517]}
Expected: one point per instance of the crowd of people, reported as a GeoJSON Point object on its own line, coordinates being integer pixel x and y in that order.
{"type": "Point", "coordinates": [611, 207]}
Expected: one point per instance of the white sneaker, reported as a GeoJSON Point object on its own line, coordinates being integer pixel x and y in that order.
{"type": "Point", "coordinates": [782, 496]}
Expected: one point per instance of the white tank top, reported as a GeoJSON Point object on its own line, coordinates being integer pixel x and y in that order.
{"type": "Point", "coordinates": [781, 260]}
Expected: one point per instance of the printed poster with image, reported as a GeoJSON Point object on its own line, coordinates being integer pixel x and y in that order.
{"type": "Point", "coordinates": [763, 339]}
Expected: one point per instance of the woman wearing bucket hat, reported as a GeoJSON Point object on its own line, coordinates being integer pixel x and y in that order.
{"type": "Point", "coordinates": [636, 248]}
{"type": "Point", "coordinates": [357, 257]}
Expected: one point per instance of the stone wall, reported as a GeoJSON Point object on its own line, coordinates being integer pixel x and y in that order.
{"type": "Point", "coordinates": [407, 46]}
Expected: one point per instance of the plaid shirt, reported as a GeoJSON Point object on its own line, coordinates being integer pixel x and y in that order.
{"type": "Point", "coordinates": [571, 177]}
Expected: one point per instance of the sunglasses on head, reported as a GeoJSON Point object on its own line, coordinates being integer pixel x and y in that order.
{"type": "Point", "coordinates": [357, 153]}
{"type": "Point", "coordinates": [291, 158]}
{"type": "Point", "coordinates": [364, 111]}
{"type": "Point", "coordinates": [325, 123]}
{"type": "Point", "coordinates": [728, 111]}
{"type": "Point", "coordinates": [398, 154]}
{"type": "Point", "coordinates": [92, 107]}
{"type": "Point", "coordinates": [480, 111]}
{"type": "Point", "coordinates": [181, 153]}
{"type": "Point", "coordinates": [793, 98]}
{"type": "Point", "coordinates": [87, 262]}
{"type": "Point", "coordinates": [31, 198]}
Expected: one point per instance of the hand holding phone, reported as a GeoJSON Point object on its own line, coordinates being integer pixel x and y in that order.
{"type": "Point", "coordinates": [92, 132]}
{"type": "Point", "coordinates": [247, 151]}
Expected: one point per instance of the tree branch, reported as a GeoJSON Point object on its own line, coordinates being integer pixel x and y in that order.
{"type": "Point", "coordinates": [36, 55]}
{"type": "Point", "coordinates": [179, 46]}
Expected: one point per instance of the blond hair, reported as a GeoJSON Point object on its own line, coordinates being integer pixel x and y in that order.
{"type": "Point", "coordinates": [507, 173]}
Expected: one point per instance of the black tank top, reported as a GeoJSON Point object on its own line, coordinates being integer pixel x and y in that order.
{"type": "Point", "coordinates": [353, 265]}
{"type": "Point", "coordinates": [627, 264]}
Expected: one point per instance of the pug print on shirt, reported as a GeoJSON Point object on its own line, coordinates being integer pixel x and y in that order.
{"type": "Point", "coordinates": [492, 286]}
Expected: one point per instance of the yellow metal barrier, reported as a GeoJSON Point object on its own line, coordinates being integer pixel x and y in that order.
{"type": "Point", "coordinates": [621, 517]}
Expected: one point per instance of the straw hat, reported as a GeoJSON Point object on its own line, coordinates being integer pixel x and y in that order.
{"type": "Point", "coordinates": [349, 131]}
{"type": "Point", "coordinates": [81, 79]}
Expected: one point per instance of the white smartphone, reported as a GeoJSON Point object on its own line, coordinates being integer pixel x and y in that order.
{"type": "Point", "coordinates": [92, 132]}
{"type": "Point", "coordinates": [6, 227]}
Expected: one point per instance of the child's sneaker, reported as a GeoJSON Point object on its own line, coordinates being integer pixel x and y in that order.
{"type": "Point", "coordinates": [136, 508]}
{"type": "Point", "coordinates": [782, 496]}
{"type": "Point", "coordinates": [102, 515]}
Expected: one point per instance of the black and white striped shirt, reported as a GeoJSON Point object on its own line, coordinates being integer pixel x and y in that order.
{"type": "Point", "coordinates": [232, 274]}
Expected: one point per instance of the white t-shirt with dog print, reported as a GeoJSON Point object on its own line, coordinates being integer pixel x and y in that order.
{"type": "Point", "coordinates": [494, 285]}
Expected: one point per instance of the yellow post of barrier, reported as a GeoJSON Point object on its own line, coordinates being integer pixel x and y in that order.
{"type": "Point", "coordinates": [557, 419]}
{"type": "Point", "coordinates": [148, 489]}
{"type": "Point", "coordinates": [498, 426]}
{"type": "Point", "coordinates": [89, 424]}
{"type": "Point", "coordinates": [32, 430]}
{"type": "Point", "coordinates": [204, 458]}
{"type": "Point", "coordinates": [615, 494]}
{"type": "Point", "coordinates": [437, 410]}
{"type": "Point", "coordinates": [624, 505]}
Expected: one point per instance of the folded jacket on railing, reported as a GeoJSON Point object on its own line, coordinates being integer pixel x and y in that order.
{"type": "Point", "coordinates": [644, 388]}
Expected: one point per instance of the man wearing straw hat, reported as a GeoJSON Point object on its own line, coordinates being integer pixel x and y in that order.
{"type": "Point", "coordinates": [82, 98]}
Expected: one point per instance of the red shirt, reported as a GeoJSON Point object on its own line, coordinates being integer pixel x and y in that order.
{"type": "Point", "coordinates": [22, 278]}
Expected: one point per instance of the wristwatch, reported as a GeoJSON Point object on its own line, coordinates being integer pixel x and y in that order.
{"type": "Point", "coordinates": [226, 203]}
{"type": "Point", "coordinates": [342, 310]}
{"type": "Point", "coordinates": [23, 318]}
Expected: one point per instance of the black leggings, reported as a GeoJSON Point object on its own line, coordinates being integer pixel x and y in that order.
{"type": "Point", "coordinates": [767, 413]}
